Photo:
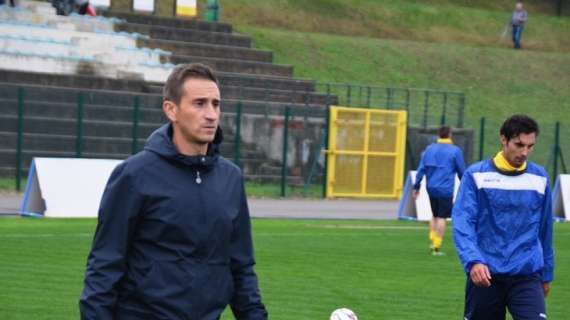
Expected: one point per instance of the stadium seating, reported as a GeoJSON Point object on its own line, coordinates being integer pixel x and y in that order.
{"type": "Point", "coordinates": [110, 60]}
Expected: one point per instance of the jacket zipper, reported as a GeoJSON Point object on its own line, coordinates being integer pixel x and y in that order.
{"type": "Point", "coordinates": [198, 179]}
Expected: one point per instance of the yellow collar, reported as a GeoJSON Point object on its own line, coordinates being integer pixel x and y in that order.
{"type": "Point", "coordinates": [446, 141]}
{"type": "Point", "coordinates": [502, 164]}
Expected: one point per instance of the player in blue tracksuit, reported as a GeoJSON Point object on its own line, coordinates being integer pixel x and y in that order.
{"type": "Point", "coordinates": [502, 228]}
{"type": "Point", "coordinates": [440, 163]}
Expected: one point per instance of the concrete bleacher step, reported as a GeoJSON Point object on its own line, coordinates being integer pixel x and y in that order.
{"type": "Point", "coordinates": [101, 145]}
{"type": "Point", "coordinates": [134, 85]}
{"type": "Point", "coordinates": [186, 35]}
{"type": "Point", "coordinates": [68, 143]}
{"type": "Point", "coordinates": [235, 66]}
{"type": "Point", "coordinates": [73, 22]}
{"type": "Point", "coordinates": [68, 126]}
{"type": "Point", "coordinates": [231, 95]}
{"type": "Point", "coordinates": [207, 50]}
{"type": "Point", "coordinates": [40, 7]}
{"type": "Point", "coordinates": [100, 111]}
{"type": "Point", "coordinates": [171, 22]}
{"type": "Point", "coordinates": [100, 40]}
{"type": "Point", "coordinates": [90, 112]}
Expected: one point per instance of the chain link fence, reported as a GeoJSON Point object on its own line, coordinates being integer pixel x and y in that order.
{"type": "Point", "coordinates": [279, 146]}
{"type": "Point", "coordinates": [425, 107]}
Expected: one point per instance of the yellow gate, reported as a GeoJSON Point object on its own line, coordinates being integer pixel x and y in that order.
{"type": "Point", "coordinates": [366, 153]}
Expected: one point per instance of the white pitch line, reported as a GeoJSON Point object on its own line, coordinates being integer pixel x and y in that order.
{"type": "Point", "coordinates": [44, 235]}
{"type": "Point", "coordinates": [327, 226]}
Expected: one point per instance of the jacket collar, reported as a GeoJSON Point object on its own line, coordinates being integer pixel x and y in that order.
{"type": "Point", "coordinates": [160, 142]}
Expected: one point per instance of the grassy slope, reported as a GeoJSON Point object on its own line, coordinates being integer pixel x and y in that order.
{"type": "Point", "coordinates": [444, 21]}
{"type": "Point", "coordinates": [438, 44]}
{"type": "Point", "coordinates": [306, 269]}
{"type": "Point", "coordinates": [497, 81]}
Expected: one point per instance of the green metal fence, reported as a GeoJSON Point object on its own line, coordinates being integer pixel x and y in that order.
{"type": "Point", "coordinates": [425, 107]}
{"type": "Point", "coordinates": [278, 146]}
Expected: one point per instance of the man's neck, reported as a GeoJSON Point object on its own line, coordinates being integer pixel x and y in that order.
{"type": "Point", "coordinates": [188, 148]}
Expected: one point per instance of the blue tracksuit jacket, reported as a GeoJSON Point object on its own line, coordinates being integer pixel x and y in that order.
{"type": "Point", "coordinates": [440, 162]}
{"type": "Point", "coordinates": [504, 220]}
{"type": "Point", "coordinates": [173, 240]}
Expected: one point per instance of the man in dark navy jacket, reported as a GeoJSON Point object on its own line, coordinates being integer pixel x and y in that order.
{"type": "Point", "coordinates": [173, 240]}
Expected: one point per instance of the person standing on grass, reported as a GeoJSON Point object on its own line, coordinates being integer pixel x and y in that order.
{"type": "Point", "coordinates": [518, 20]}
{"type": "Point", "coordinates": [173, 239]}
{"type": "Point", "coordinates": [440, 163]}
{"type": "Point", "coordinates": [502, 228]}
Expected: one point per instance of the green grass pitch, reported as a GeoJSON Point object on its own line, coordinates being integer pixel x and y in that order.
{"type": "Point", "coordinates": [306, 269]}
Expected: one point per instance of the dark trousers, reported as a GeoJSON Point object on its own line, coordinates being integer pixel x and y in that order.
{"type": "Point", "coordinates": [521, 295]}
{"type": "Point", "coordinates": [517, 35]}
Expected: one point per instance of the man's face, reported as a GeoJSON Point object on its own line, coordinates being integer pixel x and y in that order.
{"type": "Point", "coordinates": [519, 6]}
{"type": "Point", "coordinates": [517, 150]}
{"type": "Point", "coordinates": [197, 115]}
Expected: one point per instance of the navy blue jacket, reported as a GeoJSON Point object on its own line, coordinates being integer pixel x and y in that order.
{"type": "Point", "coordinates": [440, 163]}
{"type": "Point", "coordinates": [173, 239]}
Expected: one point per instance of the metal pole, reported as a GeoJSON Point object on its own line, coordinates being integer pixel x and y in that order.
{"type": "Point", "coordinates": [135, 133]}
{"type": "Point", "coordinates": [79, 126]}
{"type": "Point", "coordinates": [20, 138]}
{"type": "Point", "coordinates": [348, 94]}
{"type": "Point", "coordinates": [481, 138]}
{"type": "Point", "coordinates": [368, 94]}
{"type": "Point", "coordinates": [461, 110]}
{"type": "Point", "coordinates": [326, 137]}
{"type": "Point", "coordinates": [285, 149]}
{"type": "Point", "coordinates": [426, 107]}
{"type": "Point", "coordinates": [444, 108]}
{"type": "Point", "coordinates": [556, 150]}
{"type": "Point", "coordinates": [237, 135]}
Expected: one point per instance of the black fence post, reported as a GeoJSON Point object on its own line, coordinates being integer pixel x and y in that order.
{"type": "Point", "coordinates": [444, 111]}
{"type": "Point", "coordinates": [481, 138]}
{"type": "Point", "coordinates": [20, 139]}
{"type": "Point", "coordinates": [461, 114]}
{"type": "Point", "coordinates": [426, 108]}
{"type": "Point", "coordinates": [390, 98]}
{"type": "Point", "coordinates": [237, 135]}
{"type": "Point", "coordinates": [326, 137]}
{"type": "Point", "coordinates": [556, 150]}
{"type": "Point", "coordinates": [285, 149]}
{"type": "Point", "coordinates": [79, 127]}
{"type": "Point", "coordinates": [135, 133]}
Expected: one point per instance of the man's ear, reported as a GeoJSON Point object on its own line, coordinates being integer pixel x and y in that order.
{"type": "Point", "coordinates": [503, 140]}
{"type": "Point", "coordinates": [170, 110]}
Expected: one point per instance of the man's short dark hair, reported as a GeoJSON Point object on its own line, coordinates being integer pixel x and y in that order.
{"type": "Point", "coordinates": [517, 124]}
{"type": "Point", "coordinates": [444, 132]}
{"type": "Point", "coordinates": [173, 88]}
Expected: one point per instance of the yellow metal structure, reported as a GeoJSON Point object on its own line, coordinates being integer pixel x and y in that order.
{"type": "Point", "coordinates": [366, 153]}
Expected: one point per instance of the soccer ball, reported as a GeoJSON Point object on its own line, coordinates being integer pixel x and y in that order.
{"type": "Point", "coordinates": [343, 314]}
